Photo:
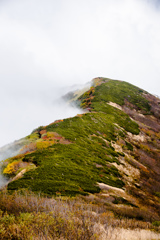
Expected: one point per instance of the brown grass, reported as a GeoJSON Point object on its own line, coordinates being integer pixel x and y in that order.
{"type": "Point", "coordinates": [27, 216]}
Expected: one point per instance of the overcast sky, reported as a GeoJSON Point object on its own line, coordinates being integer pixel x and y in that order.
{"type": "Point", "coordinates": [48, 45]}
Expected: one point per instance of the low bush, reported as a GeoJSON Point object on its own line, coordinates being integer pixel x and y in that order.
{"type": "Point", "coordinates": [25, 216]}
{"type": "Point", "coordinates": [11, 169]}
{"type": "Point", "coordinates": [156, 224]}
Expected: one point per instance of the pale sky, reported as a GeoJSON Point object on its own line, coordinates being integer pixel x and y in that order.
{"type": "Point", "coordinates": [48, 45]}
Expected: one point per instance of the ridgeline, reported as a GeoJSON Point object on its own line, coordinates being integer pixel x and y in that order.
{"type": "Point", "coordinates": [110, 152]}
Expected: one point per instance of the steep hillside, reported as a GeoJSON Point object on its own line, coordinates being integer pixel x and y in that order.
{"type": "Point", "coordinates": [112, 150]}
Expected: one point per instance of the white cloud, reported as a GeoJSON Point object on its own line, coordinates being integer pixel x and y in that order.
{"type": "Point", "coordinates": [46, 45]}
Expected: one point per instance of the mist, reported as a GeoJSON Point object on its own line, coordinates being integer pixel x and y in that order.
{"type": "Point", "coordinates": [49, 46]}
{"type": "Point", "coordinates": [26, 113]}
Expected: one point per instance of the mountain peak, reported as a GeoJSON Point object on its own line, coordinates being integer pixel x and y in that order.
{"type": "Point", "coordinates": [111, 148]}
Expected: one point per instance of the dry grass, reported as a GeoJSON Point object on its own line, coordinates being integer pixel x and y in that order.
{"type": "Point", "coordinates": [27, 216]}
{"type": "Point", "coordinates": [111, 233]}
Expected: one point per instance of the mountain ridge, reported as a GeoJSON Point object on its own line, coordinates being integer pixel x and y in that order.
{"type": "Point", "coordinates": [111, 151]}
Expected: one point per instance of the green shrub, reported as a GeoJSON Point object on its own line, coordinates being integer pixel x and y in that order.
{"type": "Point", "coordinates": [156, 224]}
{"type": "Point", "coordinates": [129, 146]}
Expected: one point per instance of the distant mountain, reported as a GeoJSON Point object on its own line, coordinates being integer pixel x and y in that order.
{"type": "Point", "coordinates": [112, 150]}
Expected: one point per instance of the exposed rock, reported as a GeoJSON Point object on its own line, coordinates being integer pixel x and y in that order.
{"type": "Point", "coordinates": [115, 105]}
{"type": "Point", "coordinates": [108, 187]}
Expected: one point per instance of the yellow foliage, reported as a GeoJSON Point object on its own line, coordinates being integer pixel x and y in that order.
{"type": "Point", "coordinates": [145, 147]}
{"type": "Point", "coordinates": [44, 144]}
{"type": "Point", "coordinates": [50, 134]}
{"type": "Point", "coordinates": [11, 168]}
{"type": "Point", "coordinates": [158, 135]}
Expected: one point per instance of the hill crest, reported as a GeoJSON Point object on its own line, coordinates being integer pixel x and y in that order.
{"type": "Point", "coordinates": [111, 150]}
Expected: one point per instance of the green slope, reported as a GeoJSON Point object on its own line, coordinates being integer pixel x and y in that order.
{"type": "Point", "coordinates": [83, 154]}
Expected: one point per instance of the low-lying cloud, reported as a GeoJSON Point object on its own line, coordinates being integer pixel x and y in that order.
{"type": "Point", "coordinates": [25, 113]}
{"type": "Point", "coordinates": [48, 45]}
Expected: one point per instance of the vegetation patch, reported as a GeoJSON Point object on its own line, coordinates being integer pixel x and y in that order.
{"type": "Point", "coordinates": [67, 169]}
{"type": "Point", "coordinates": [121, 200]}
{"type": "Point", "coordinates": [118, 91]}
{"type": "Point", "coordinates": [129, 146]}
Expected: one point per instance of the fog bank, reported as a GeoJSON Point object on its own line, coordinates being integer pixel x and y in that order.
{"type": "Point", "coordinates": [48, 45]}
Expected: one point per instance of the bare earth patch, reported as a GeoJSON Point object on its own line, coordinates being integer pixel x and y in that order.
{"type": "Point", "coordinates": [115, 105]}
{"type": "Point", "coordinates": [108, 187]}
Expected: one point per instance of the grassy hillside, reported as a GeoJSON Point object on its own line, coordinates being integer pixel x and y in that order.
{"type": "Point", "coordinates": [77, 166]}
{"type": "Point", "coordinates": [72, 168]}
{"type": "Point", "coordinates": [96, 174]}
{"type": "Point", "coordinates": [113, 149]}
